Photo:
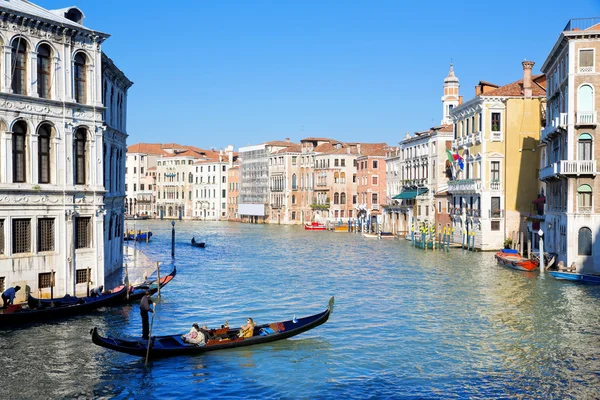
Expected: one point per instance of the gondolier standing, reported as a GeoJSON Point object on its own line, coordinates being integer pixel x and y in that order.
{"type": "Point", "coordinates": [144, 309]}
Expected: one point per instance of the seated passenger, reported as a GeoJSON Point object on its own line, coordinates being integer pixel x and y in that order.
{"type": "Point", "coordinates": [194, 336]}
{"type": "Point", "coordinates": [247, 330]}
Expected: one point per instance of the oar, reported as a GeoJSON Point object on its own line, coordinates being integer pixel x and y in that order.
{"type": "Point", "coordinates": [150, 335]}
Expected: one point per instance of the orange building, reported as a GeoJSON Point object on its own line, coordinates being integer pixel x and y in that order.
{"type": "Point", "coordinates": [371, 181]}
{"type": "Point", "coordinates": [233, 192]}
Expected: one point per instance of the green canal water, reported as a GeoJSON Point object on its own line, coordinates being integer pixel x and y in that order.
{"type": "Point", "coordinates": [406, 324]}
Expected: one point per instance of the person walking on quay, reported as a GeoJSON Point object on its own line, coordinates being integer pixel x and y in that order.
{"type": "Point", "coordinates": [144, 309]}
{"type": "Point", "coordinates": [8, 297]}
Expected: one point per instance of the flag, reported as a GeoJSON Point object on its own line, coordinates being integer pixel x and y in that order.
{"type": "Point", "coordinates": [450, 156]}
{"type": "Point", "coordinates": [459, 160]}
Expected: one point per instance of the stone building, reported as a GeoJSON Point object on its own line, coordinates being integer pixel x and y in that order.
{"type": "Point", "coordinates": [62, 152]}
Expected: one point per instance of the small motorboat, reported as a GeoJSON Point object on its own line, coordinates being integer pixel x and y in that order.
{"type": "Point", "coordinates": [315, 226]}
{"type": "Point", "coordinates": [512, 259]}
{"type": "Point", "coordinates": [218, 339]}
{"type": "Point", "coordinates": [198, 244]}
{"type": "Point", "coordinates": [140, 236]}
{"type": "Point", "coordinates": [60, 308]}
{"type": "Point", "coordinates": [576, 277]}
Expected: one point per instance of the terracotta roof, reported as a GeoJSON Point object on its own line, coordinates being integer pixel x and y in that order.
{"type": "Point", "coordinates": [294, 148]}
{"type": "Point", "coordinates": [516, 89]}
{"type": "Point", "coordinates": [594, 28]}
{"type": "Point", "coordinates": [323, 148]}
{"type": "Point", "coordinates": [146, 148]}
{"type": "Point", "coordinates": [151, 169]}
{"type": "Point", "coordinates": [279, 143]}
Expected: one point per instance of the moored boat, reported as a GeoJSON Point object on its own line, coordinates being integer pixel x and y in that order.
{"type": "Point", "coordinates": [138, 290]}
{"type": "Point", "coordinates": [512, 259]}
{"type": "Point", "coordinates": [198, 244]}
{"type": "Point", "coordinates": [315, 226]}
{"type": "Point", "coordinates": [140, 236]}
{"type": "Point", "coordinates": [218, 339]}
{"type": "Point", "coordinates": [576, 277]}
{"type": "Point", "coordinates": [20, 316]}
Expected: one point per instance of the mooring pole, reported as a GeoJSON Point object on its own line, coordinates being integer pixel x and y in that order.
{"type": "Point", "coordinates": [173, 239]}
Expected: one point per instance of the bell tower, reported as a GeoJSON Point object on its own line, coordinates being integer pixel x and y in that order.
{"type": "Point", "coordinates": [450, 99]}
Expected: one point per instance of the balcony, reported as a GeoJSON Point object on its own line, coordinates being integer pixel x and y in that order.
{"type": "Point", "coordinates": [467, 186]}
{"type": "Point", "coordinates": [495, 186]}
{"type": "Point", "coordinates": [375, 207]}
{"type": "Point", "coordinates": [276, 206]}
{"type": "Point", "coordinates": [568, 168]}
{"type": "Point", "coordinates": [553, 125]}
{"type": "Point", "coordinates": [584, 210]}
{"type": "Point", "coordinates": [496, 213]}
{"type": "Point", "coordinates": [477, 138]}
{"type": "Point", "coordinates": [586, 118]}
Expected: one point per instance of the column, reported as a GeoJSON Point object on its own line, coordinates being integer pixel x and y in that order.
{"type": "Point", "coordinates": [33, 159]}
{"type": "Point", "coordinates": [5, 148]}
{"type": "Point", "coordinates": [55, 82]}
{"type": "Point", "coordinates": [32, 79]}
{"type": "Point", "coordinates": [6, 83]}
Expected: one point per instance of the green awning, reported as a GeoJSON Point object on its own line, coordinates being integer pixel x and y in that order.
{"type": "Point", "coordinates": [410, 194]}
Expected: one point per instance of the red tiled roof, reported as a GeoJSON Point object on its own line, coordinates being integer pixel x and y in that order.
{"type": "Point", "coordinates": [515, 89]}
{"type": "Point", "coordinates": [293, 148]}
{"type": "Point", "coordinates": [146, 148]}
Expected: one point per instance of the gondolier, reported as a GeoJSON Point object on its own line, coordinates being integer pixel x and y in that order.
{"type": "Point", "coordinates": [144, 309]}
{"type": "Point", "coordinates": [8, 297]}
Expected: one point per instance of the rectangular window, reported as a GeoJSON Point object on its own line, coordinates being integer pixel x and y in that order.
{"type": "Point", "coordinates": [45, 234]}
{"type": "Point", "coordinates": [495, 225]}
{"type": "Point", "coordinates": [134, 170]}
{"type": "Point", "coordinates": [142, 170]}
{"type": "Point", "coordinates": [419, 210]}
{"type": "Point", "coordinates": [1, 236]}
{"type": "Point", "coordinates": [46, 280]}
{"type": "Point", "coordinates": [343, 162]}
{"type": "Point", "coordinates": [294, 160]}
{"type": "Point", "coordinates": [496, 126]}
{"type": "Point", "coordinates": [223, 193]}
{"type": "Point", "coordinates": [134, 187]}
{"type": "Point", "coordinates": [495, 171]}
{"type": "Point", "coordinates": [375, 180]}
{"type": "Point", "coordinates": [439, 207]}
{"type": "Point", "coordinates": [336, 162]}
{"type": "Point", "coordinates": [586, 60]}
{"type": "Point", "coordinates": [2, 284]}
{"type": "Point", "coordinates": [142, 186]}
{"type": "Point", "coordinates": [374, 198]}
{"type": "Point", "coordinates": [496, 212]}
{"type": "Point", "coordinates": [426, 211]}
{"type": "Point", "coordinates": [354, 199]}
{"type": "Point", "coordinates": [21, 229]}
{"type": "Point", "coordinates": [81, 275]}
{"type": "Point", "coordinates": [83, 233]}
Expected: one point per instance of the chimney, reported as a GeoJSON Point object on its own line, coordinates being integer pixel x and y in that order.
{"type": "Point", "coordinates": [287, 139]}
{"type": "Point", "coordinates": [477, 90]}
{"type": "Point", "coordinates": [527, 83]}
{"type": "Point", "coordinates": [358, 148]}
{"type": "Point", "coordinates": [460, 100]}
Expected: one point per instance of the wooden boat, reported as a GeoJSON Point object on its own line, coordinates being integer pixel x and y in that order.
{"type": "Point", "coordinates": [138, 290]}
{"type": "Point", "coordinates": [383, 235]}
{"type": "Point", "coordinates": [136, 217]}
{"type": "Point", "coordinates": [197, 244]}
{"type": "Point", "coordinates": [576, 277]}
{"type": "Point", "coordinates": [219, 339]}
{"type": "Point", "coordinates": [512, 259]}
{"type": "Point", "coordinates": [140, 236]}
{"type": "Point", "coordinates": [315, 226]}
{"type": "Point", "coordinates": [21, 316]}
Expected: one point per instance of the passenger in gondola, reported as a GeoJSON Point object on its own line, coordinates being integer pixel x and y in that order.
{"type": "Point", "coordinates": [8, 297]}
{"type": "Point", "coordinates": [247, 331]}
{"type": "Point", "coordinates": [196, 335]}
{"type": "Point", "coordinates": [97, 291]}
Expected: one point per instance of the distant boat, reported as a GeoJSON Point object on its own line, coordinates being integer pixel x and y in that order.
{"type": "Point", "coordinates": [383, 235]}
{"type": "Point", "coordinates": [136, 217]}
{"type": "Point", "coordinates": [217, 339]}
{"type": "Point", "coordinates": [575, 277]}
{"type": "Point", "coordinates": [140, 236]}
{"type": "Point", "coordinates": [315, 226]}
{"type": "Point", "coordinates": [512, 259]}
{"type": "Point", "coordinates": [198, 244]}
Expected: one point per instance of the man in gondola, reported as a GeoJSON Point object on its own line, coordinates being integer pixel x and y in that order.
{"type": "Point", "coordinates": [144, 310]}
{"type": "Point", "coordinates": [8, 297]}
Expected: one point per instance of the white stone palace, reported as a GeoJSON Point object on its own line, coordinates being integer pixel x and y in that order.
{"type": "Point", "coordinates": [62, 152]}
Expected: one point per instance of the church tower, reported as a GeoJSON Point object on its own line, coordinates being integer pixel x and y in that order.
{"type": "Point", "coordinates": [450, 99]}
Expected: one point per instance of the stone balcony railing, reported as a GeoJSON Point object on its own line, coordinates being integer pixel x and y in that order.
{"type": "Point", "coordinates": [465, 186]}
{"type": "Point", "coordinates": [584, 210]}
{"type": "Point", "coordinates": [552, 125]}
{"type": "Point", "coordinates": [568, 168]}
{"type": "Point", "coordinates": [495, 186]}
{"type": "Point", "coordinates": [586, 118]}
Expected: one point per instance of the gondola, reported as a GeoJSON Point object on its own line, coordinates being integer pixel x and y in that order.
{"type": "Point", "coordinates": [61, 309]}
{"type": "Point", "coordinates": [136, 293]}
{"type": "Point", "coordinates": [198, 244]}
{"type": "Point", "coordinates": [219, 339]}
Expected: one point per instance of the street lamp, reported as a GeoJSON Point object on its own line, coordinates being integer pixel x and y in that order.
{"type": "Point", "coordinates": [541, 235]}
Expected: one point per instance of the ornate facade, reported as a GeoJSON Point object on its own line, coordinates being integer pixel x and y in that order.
{"type": "Point", "coordinates": [61, 152]}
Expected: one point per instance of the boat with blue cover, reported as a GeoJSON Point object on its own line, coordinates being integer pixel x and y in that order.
{"type": "Point", "coordinates": [576, 277]}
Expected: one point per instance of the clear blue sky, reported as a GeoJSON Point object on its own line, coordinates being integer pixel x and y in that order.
{"type": "Point", "coordinates": [212, 73]}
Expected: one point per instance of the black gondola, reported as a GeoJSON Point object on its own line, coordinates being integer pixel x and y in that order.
{"type": "Point", "coordinates": [134, 294]}
{"type": "Point", "coordinates": [219, 339]}
{"type": "Point", "coordinates": [49, 312]}
{"type": "Point", "coordinates": [197, 244]}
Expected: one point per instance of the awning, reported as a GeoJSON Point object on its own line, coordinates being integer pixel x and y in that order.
{"type": "Point", "coordinates": [410, 194]}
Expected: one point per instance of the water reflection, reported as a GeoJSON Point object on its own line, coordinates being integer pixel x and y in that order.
{"type": "Point", "coordinates": [407, 323]}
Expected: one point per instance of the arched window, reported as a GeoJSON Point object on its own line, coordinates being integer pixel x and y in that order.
{"type": "Point", "coordinates": [343, 198]}
{"type": "Point", "coordinates": [336, 198]}
{"type": "Point", "coordinates": [294, 186]}
{"type": "Point", "coordinates": [585, 98]}
{"type": "Point", "coordinates": [80, 81]}
{"type": "Point", "coordinates": [584, 198]}
{"type": "Point", "coordinates": [19, 149]}
{"type": "Point", "coordinates": [43, 71]}
{"type": "Point", "coordinates": [584, 242]}
{"type": "Point", "coordinates": [585, 147]}
{"type": "Point", "coordinates": [19, 66]}
{"type": "Point", "coordinates": [79, 156]}
{"type": "Point", "coordinates": [336, 178]}
{"type": "Point", "coordinates": [343, 177]}
{"type": "Point", "coordinates": [44, 135]}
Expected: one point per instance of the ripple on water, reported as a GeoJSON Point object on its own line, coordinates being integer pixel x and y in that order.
{"type": "Point", "coordinates": [407, 324]}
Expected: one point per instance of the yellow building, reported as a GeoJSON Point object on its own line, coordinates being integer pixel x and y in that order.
{"type": "Point", "coordinates": [496, 138]}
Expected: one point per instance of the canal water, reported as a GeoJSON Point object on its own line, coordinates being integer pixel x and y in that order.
{"type": "Point", "coordinates": [406, 324]}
